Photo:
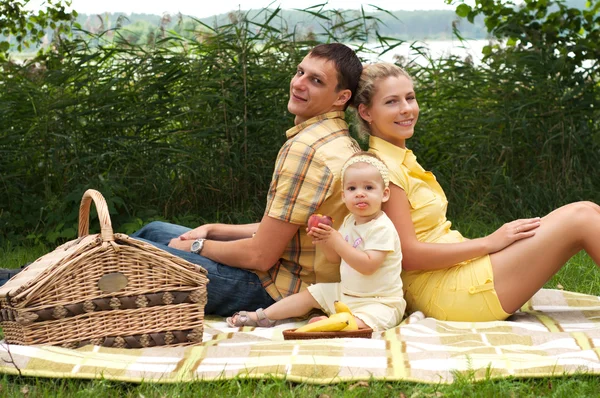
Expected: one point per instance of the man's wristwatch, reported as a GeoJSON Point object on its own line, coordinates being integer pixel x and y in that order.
{"type": "Point", "coordinates": [197, 246]}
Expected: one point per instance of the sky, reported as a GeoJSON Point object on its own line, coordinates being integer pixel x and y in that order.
{"type": "Point", "coordinates": [207, 8]}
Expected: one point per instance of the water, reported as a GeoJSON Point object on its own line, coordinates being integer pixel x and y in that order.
{"type": "Point", "coordinates": [435, 48]}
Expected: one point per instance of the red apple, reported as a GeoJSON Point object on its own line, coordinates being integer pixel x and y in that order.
{"type": "Point", "coordinates": [316, 219]}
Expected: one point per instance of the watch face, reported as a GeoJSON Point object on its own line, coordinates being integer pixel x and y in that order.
{"type": "Point", "coordinates": [195, 246]}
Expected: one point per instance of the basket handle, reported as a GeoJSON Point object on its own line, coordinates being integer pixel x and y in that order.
{"type": "Point", "coordinates": [106, 231]}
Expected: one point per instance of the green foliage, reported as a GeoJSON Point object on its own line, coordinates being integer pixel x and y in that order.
{"type": "Point", "coordinates": [507, 142]}
{"type": "Point", "coordinates": [186, 126]}
{"type": "Point", "coordinates": [22, 28]}
{"type": "Point", "coordinates": [525, 137]}
{"type": "Point", "coordinates": [180, 127]}
{"type": "Point", "coordinates": [550, 28]}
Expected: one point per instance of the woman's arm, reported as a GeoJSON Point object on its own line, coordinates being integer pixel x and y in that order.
{"type": "Point", "coordinates": [429, 256]}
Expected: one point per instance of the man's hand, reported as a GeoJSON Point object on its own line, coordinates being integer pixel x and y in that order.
{"type": "Point", "coordinates": [200, 232]}
{"type": "Point", "coordinates": [178, 243]}
{"type": "Point", "coordinates": [184, 242]}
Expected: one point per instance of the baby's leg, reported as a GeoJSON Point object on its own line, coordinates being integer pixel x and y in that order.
{"type": "Point", "coordinates": [296, 305]}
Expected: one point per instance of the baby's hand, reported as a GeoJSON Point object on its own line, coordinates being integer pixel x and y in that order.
{"type": "Point", "coordinates": [321, 233]}
{"type": "Point", "coordinates": [316, 219]}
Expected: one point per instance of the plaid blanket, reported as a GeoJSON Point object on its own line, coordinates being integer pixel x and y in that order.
{"type": "Point", "coordinates": [556, 333]}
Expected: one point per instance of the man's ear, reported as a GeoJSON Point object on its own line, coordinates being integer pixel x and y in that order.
{"type": "Point", "coordinates": [343, 97]}
{"type": "Point", "coordinates": [364, 113]}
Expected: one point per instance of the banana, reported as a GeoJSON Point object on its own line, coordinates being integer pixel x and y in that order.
{"type": "Point", "coordinates": [341, 308]}
{"type": "Point", "coordinates": [324, 325]}
{"type": "Point", "coordinates": [346, 316]}
{"type": "Point", "coordinates": [352, 325]}
{"type": "Point", "coordinates": [342, 320]}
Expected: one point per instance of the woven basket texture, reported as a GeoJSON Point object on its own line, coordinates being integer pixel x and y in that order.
{"type": "Point", "coordinates": [291, 334]}
{"type": "Point", "coordinates": [105, 289]}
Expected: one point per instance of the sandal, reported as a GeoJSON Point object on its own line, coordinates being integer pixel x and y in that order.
{"type": "Point", "coordinates": [243, 319]}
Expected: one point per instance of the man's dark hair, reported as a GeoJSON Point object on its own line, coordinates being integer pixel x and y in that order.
{"type": "Point", "coordinates": [346, 62]}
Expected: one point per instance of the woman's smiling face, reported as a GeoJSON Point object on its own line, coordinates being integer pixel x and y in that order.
{"type": "Point", "coordinates": [394, 110]}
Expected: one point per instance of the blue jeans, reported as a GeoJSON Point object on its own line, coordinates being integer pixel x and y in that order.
{"type": "Point", "coordinates": [229, 289]}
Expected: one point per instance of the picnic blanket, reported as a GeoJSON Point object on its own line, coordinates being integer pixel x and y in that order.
{"type": "Point", "coordinates": [556, 333]}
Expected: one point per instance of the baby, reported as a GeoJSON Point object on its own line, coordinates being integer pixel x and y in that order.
{"type": "Point", "coordinates": [368, 249]}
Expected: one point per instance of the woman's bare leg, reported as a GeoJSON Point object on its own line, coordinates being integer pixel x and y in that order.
{"type": "Point", "coordinates": [523, 268]}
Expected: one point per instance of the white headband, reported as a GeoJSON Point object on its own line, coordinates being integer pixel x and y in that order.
{"type": "Point", "coordinates": [383, 170]}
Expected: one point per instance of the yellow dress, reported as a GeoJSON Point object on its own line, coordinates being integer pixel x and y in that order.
{"type": "Point", "coordinates": [463, 292]}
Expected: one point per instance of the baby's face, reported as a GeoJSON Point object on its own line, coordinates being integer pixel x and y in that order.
{"type": "Point", "coordinates": [364, 190]}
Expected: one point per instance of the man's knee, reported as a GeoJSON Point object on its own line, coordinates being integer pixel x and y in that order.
{"type": "Point", "coordinates": [151, 227]}
{"type": "Point", "coordinates": [160, 232]}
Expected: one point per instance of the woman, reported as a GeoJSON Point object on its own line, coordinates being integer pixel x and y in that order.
{"type": "Point", "coordinates": [445, 275]}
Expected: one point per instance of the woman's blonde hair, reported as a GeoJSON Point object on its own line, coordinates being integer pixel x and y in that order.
{"type": "Point", "coordinates": [366, 87]}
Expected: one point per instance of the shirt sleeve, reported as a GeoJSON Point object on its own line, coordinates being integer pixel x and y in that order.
{"type": "Point", "coordinates": [399, 178]}
{"type": "Point", "coordinates": [301, 183]}
{"type": "Point", "coordinates": [380, 238]}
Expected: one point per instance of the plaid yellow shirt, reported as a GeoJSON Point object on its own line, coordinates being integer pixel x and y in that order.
{"type": "Point", "coordinates": [307, 180]}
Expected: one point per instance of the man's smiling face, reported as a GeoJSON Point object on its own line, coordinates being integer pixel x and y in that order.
{"type": "Point", "coordinates": [313, 89]}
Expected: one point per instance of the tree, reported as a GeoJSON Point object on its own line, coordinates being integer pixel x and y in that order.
{"type": "Point", "coordinates": [561, 32]}
{"type": "Point", "coordinates": [24, 28]}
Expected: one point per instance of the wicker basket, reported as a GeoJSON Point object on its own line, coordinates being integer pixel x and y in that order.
{"type": "Point", "coordinates": [105, 289]}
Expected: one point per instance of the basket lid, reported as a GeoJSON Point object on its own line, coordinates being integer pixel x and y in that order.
{"type": "Point", "coordinates": [44, 263]}
{"type": "Point", "coordinates": [97, 252]}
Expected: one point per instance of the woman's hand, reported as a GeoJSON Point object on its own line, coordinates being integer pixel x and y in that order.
{"type": "Point", "coordinates": [511, 232]}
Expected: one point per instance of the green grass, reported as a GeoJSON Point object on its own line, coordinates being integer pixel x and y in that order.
{"type": "Point", "coordinates": [580, 275]}
{"type": "Point", "coordinates": [563, 386]}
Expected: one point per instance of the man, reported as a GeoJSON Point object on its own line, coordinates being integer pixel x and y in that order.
{"type": "Point", "coordinates": [251, 266]}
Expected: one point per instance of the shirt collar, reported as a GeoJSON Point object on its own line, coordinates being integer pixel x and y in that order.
{"type": "Point", "coordinates": [299, 127]}
{"type": "Point", "coordinates": [387, 149]}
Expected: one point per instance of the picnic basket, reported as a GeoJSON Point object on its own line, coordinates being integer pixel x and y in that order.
{"type": "Point", "coordinates": [105, 289]}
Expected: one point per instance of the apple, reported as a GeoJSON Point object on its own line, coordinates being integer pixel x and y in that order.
{"type": "Point", "coordinates": [316, 219]}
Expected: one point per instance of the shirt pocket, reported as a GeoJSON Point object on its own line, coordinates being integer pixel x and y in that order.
{"type": "Point", "coordinates": [421, 195]}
